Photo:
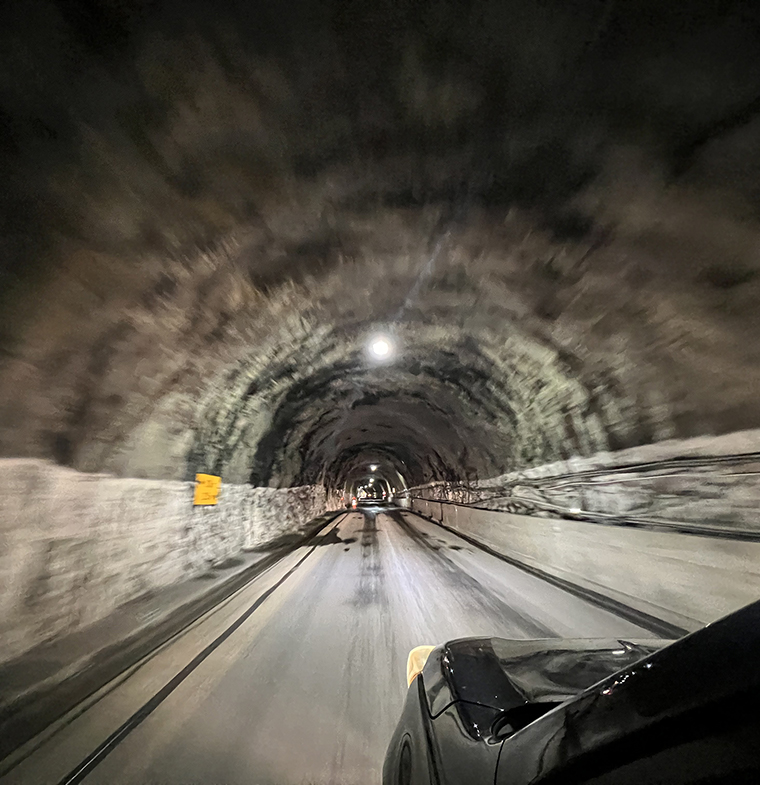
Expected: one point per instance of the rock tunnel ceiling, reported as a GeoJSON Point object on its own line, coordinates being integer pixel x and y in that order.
{"type": "Point", "coordinates": [208, 211]}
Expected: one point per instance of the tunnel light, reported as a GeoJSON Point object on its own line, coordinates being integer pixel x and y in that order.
{"type": "Point", "coordinates": [373, 467]}
{"type": "Point", "coordinates": [380, 347]}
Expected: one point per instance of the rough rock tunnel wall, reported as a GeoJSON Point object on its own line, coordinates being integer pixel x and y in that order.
{"type": "Point", "coordinates": [711, 483]}
{"type": "Point", "coordinates": [74, 546]}
{"type": "Point", "coordinates": [670, 529]}
{"type": "Point", "coordinates": [682, 579]}
{"type": "Point", "coordinates": [553, 211]}
{"type": "Point", "coordinates": [207, 213]}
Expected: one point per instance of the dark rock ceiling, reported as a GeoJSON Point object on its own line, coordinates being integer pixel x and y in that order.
{"type": "Point", "coordinates": [209, 208]}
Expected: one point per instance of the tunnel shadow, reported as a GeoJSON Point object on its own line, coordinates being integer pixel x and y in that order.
{"type": "Point", "coordinates": [233, 561]}
{"type": "Point", "coordinates": [283, 541]}
{"type": "Point", "coordinates": [369, 530]}
{"type": "Point", "coordinates": [370, 590]}
{"type": "Point", "coordinates": [333, 538]}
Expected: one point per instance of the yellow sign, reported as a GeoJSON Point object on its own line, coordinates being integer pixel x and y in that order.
{"type": "Point", "coordinates": [206, 488]}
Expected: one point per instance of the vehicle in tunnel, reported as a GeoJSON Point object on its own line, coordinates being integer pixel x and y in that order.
{"type": "Point", "coordinates": [512, 712]}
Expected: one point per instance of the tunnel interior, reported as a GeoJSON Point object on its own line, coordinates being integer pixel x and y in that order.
{"type": "Point", "coordinates": [495, 261]}
{"type": "Point", "coordinates": [549, 211]}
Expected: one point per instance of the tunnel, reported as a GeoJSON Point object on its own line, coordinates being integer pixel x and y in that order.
{"type": "Point", "coordinates": [488, 268]}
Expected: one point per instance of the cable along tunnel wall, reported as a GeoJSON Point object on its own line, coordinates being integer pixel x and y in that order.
{"type": "Point", "coordinates": [670, 530]}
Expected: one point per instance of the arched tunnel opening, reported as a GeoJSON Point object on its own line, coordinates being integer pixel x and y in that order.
{"type": "Point", "coordinates": [411, 286]}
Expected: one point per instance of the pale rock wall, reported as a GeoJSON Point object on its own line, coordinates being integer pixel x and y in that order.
{"type": "Point", "coordinates": [683, 579]}
{"type": "Point", "coordinates": [684, 481]}
{"type": "Point", "coordinates": [677, 491]}
{"type": "Point", "coordinates": [74, 546]}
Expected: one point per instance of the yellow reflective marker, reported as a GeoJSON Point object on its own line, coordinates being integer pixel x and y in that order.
{"type": "Point", "coordinates": [206, 488]}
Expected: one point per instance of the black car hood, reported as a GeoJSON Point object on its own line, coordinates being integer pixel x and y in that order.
{"type": "Point", "coordinates": [503, 674]}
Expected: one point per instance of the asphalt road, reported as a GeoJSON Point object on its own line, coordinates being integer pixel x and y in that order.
{"type": "Point", "coordinates": [310, 685]}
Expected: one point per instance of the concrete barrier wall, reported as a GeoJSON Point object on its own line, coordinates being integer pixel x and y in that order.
{"type": "Point", "coordinates": [683, 579]}
{"type": "Point", "coordinates": [74, 546]}
{"type": "Point", "coordinates": [708, 481]}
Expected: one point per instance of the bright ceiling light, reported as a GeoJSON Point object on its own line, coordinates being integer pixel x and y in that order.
{"type": "Point", "coordinates": [373, 467]}
{"type": "Point", "coordinates": [380, 347]}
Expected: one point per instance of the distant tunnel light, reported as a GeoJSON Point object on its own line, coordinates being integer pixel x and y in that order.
{"type": "Point", "coordinates": [373, 467]}
{"type": "Point", "coordinates": [380, 347]}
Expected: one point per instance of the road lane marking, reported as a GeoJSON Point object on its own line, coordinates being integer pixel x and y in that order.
{"type": "Point", "coordinates": [86, 767]}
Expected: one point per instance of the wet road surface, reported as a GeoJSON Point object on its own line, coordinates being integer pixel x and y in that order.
{"type": "Point", "coordinates": [308, 688]}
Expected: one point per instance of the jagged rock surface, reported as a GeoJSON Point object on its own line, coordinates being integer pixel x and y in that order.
{"type": "Point", "coordinates": [206, 215]}
{"type": "Point", "coordinates": [76, 545]}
